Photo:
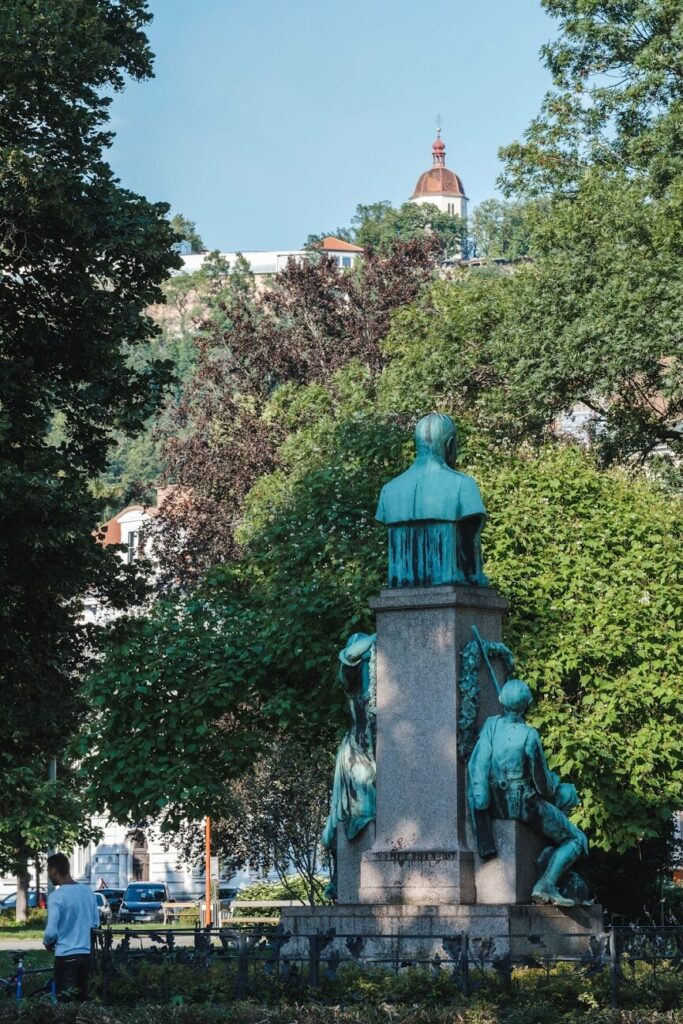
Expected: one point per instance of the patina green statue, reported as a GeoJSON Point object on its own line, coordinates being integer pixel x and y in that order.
{"type": "Point", "coordinates": [434, 513]}
{"type": "Point", "coordinates": [508, 777]}
{"type": "Point", "coordinates": [352, 804]}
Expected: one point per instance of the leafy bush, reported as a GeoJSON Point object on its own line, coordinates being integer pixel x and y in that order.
{"type": "Point", "coordinates": [294, 888]}
{"type": "Point", "coordinates": [35, 919]}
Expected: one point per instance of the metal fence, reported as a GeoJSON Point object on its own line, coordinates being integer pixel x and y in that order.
{"type": "Point", "coordinates": [269, 963]}
{"type": "Point", "coordinates": [25, 982]}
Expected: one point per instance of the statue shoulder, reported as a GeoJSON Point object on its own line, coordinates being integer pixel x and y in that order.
{"type": "Point", "coordinates": [533, 736]}
{"type": "Point", "coordinates": [490, 725]}
{"type": "Point", "coordinates": [393, 498]}
{"type": "Point", "coordinates": [469, 495]}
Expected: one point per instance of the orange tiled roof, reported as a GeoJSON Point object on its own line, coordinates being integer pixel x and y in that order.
{"type": "Point", "coordinates": [332, 244]}
{"type": "Point", "coordinates": [112, 528]}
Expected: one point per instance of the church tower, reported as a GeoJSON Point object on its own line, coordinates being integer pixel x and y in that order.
{"type": "Point", "coordinates": [440, 186]}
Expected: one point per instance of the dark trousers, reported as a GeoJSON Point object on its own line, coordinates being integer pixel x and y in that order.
{"type": "Point", "coordinates": [72, 977]}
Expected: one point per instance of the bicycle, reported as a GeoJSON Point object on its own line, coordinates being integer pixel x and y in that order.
{"type": "Point", "coordinates": [15, 987]}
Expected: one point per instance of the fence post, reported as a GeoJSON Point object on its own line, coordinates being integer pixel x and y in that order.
{"type": "Point", "coordinates": [465, 964]}
{"type": "Point", "coordinates": [242, 965]}
{"type": "Point", "coordinates": [313, 960]}
{"type": "Point", "coordinates": [614, 967]}
{"type": "Point", "coordinates": [19, 990]}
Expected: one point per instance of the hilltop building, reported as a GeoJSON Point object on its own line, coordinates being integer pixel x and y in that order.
{"type": "Point", "coordinates": [274, 261]}
{"type": "Point", "coordinates": [440, 186]}
{"type": "Point", "coordinates": [437, 185]}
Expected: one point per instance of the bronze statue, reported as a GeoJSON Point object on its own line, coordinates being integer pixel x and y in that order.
{"type": "Point", "coordinates": [352, 803]}
{"type": "Point", "coordinates": [434, 513]}
{"type": "Point", "coordinates": [509, 778]}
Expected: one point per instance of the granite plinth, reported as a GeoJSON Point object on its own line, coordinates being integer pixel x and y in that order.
{"type": "Point", "coordinates": [413, 931]}
{"type": "Point", "coordinates": [349, 853]}
{"type": "Point", "coordinates": [511, 876]}
{"type": "Point", "coordinates": [421, 854]}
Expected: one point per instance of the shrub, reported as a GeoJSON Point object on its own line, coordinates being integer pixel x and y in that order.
{"type": "Point", "coordinates": [36, 919]}
{"type": "Point", "coordinates": [294, 888]}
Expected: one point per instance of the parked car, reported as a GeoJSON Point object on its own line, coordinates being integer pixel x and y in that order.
{"type": "Point", "coordinates": [113, 898]}
{"type": "Point", "coordinates": [226, 894]}
{"type": "Point", "coordinates": [10, 902]}
{"type": "Point", "coordinates": [103, 908]}
{"type": "Point", "coordinates": [142, 901]}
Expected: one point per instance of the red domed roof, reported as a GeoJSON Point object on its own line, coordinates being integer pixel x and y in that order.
{"type": "Point", "coordinates": [438, 180]}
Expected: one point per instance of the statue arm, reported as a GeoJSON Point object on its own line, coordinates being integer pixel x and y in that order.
{"type": "Point", "coordinates": [354, 652]}
{"type": "Point", "coordinates": [544, 781]}
{"type": "Point", "coordinates": [380, 514]}
{"type": "Point", "coordinates": [479, 769]}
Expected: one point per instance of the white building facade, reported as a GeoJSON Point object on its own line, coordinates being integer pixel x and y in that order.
{"type": "Point", "coordinates": [274, 261]}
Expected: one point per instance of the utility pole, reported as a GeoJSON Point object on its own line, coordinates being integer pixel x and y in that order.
{"type": "Point", "coordinates": [207, 872]}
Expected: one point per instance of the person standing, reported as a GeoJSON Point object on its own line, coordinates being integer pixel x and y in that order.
{"type": "Point", "coordinates": [71, 915]}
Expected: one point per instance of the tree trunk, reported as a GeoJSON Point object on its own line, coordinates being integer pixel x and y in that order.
{"type": "Point", "coordinates": [37, 870]}
{"type": "Point", "coordinates": [21, 913]}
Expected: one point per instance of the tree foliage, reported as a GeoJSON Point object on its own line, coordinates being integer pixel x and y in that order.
{"type": "Point", "coordinates": [600, 320]}
{"type": "Point", "coordinates": [590, 562]}
{"type": "Point", "coordinates": [312, 319]}
{"type": "Point", "coordinates": [617, 71]}
{"type": "Point", "coordinates": [273, 818]}
{"type": "Point", "coordinates": [186, 230]}
{"type": "Point", "coordinates": [381, 226]}
{"type": "Point", "coordinates": [81, 259]}
{"type": "Point", "coordinates": [500, 229]}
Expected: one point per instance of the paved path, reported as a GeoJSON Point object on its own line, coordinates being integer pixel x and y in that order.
{"type": "Point", "coordinates": [19, 944]}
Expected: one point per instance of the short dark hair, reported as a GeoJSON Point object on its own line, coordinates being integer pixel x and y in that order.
{"type": "Point", "coordinates": [60, 862]}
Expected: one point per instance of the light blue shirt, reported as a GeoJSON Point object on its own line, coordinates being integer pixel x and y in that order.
{"type": "Point", "coordinates": [71, 913]}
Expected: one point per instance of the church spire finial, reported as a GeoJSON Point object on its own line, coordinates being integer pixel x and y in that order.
{"type": "Point", "coordinates": [439, 148]}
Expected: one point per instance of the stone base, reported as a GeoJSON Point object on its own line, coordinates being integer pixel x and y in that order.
{"type": "Point", "coordinates": [417, 932]}
{"type": "Point", "coordinates": [511, 876]}
{"type": "Point", "coordinates": [349, 854]}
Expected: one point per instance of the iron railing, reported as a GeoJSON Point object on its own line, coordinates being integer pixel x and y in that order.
{"type": "Point", "coordinates": [268, 961]}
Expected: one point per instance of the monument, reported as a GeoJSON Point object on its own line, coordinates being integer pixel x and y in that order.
{"type": "Point", "coordinates": [445, 819]}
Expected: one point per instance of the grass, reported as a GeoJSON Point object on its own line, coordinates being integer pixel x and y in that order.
{"type": "Point", "coordinates": [20, 933]}
{"type": "Point", "coordinates": [32, 958]}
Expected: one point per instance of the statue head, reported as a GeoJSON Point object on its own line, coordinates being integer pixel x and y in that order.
{"type": "Point", "coordinates": [359, 644]}
{"type": "Point", "coordinates": [437, 435]}
{"type": "Point", "coordinates": [515, 696]}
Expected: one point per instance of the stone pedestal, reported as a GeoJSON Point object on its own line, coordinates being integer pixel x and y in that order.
{"type": "Point", "coordinates": [405, 933]}
{"type": "Point", "coordinates": [415, 879]}
{"type": "Point", "coordinates": [348, 862]}
{"type": "Point", "coordinates": [420, 854]}
{"type": "Point", "coordinates": [509, 877]}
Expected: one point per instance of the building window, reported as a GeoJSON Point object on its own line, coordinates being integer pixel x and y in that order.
{"type": "Point", "coordinates": [132, 546]}
{"type": "Point", "coordinates": [346, 261]}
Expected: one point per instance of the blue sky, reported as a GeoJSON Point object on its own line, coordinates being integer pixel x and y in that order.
{"type": "Point", "coordinates": [269, 120]}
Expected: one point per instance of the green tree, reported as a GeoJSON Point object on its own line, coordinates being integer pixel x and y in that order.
{"type": "Point", "coordinates": [274, 818]}
{"type": "Point", "coordinates": [82, 259]}
{"type": "Point", "coordinates": [186, 230]}
{"type": "Point", "coordinates": [615, 104]}
{"type": "Point", "coordinates": [599, 320]}
{"type": "Point", "coordinates": [501, 230]}
{"type": "Point", "coordinates": [381, 226]}
{"type": "Point", "coordinates": [590, 561]}
{"type": "Point", "coordinates": [136, 465]}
